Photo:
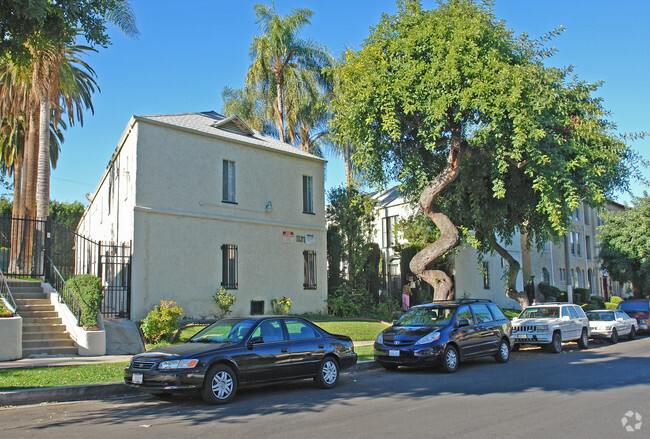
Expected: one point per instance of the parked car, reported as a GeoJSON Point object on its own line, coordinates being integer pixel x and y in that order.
{"type": "Point", "coordinates": [445, 332]}
{"type": "Point", "coordinates": [639, 309]}
{"type": "Point", "coordinates": [610, 324]}
{"type": "Point", "coordinates": [238, 351]}
{"type": "Point", "coordinates": [550, 324]}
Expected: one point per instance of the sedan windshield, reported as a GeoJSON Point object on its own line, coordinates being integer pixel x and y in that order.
{"type": "Point", "coordinates": [224, 331]}
{"type": "Point", "coordinates": [427, 316]}
{"type": "Point", "coordinates": [634, 306]}
{"type": "Point", "coordinates": [600, 316]}
{"type": "Point", "coordinates": [544, 312]}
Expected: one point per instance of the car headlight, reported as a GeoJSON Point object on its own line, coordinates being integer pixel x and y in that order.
{"type": "Point", "coordinates": [542, 327]}
{"type": "Point", "coordinates": [380, 338]}
{"type": "Point", "coordinates": [178, 364]}
{"type": "Point", "coordinates": [429, 338]}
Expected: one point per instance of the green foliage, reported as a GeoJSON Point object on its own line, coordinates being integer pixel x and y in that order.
{"type": "Point", "coordinates": [67, 214]}
{"type": "Point", "coordinates": [625, 246]}
{"type": "Point", "coordinates": [161, 322]}
{"type": "Point", "coordinates": [589, 306]}
{"type": "Point", "coordinates": [224, 301]}
{"type": "Point", "coordinates": [455, 87]}
{"type": "Point", "coordinates": [334, 258]}
{"type": "Point", "coordinates": [581, 295]}
{"type": "Point", "coordinates": [351, 217]}
{"type": "Point", "coordinates": [349, 303]}
{"type": "Point", "coordinates": [598, 301]}
{"type": "Point", "coordinates": [38, 377]}
{"type": "Point", "coordinates": [547, 291]}
{"type": "Point", "coordinates": [281, 306]}
{"type": "Point", "coordinates": [615, 300]}
{"type": "Point", "coordinates": [610, 305]}
{"type": "Point", "coordinates": [417, 230]}
{"type": "Point", "coordinates": [89, 292]}
{"type": "Point", "coordinates": [4, 311]}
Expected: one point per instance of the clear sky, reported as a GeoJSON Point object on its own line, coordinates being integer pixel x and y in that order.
{"type": "Point", "coordinates": [188, 51]}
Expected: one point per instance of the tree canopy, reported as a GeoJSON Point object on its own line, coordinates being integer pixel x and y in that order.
{"type": "Point", "coordinates": [450, 102]}
{"type": "Point", "coordinates": [625, 246]}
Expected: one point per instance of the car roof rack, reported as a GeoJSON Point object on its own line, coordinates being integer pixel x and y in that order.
{"type": "Point", "coordinates": [474, 300]}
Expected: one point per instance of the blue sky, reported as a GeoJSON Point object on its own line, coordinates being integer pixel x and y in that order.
{"type": "Point", "coordinates": [188, 51]}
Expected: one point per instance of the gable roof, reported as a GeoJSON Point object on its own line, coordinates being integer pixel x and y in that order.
{"type": "Point", "coordinates": [213, 124]}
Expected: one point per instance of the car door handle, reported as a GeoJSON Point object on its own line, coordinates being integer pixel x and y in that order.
{"type": "Point", "coordinates": [284, 350]}
{"type": "Point", "coordinates": [320, 346]}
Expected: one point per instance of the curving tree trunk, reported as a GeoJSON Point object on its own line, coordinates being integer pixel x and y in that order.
{"type": "Point", "coordinates": [513, 272]}
{"type": "Point", "coordinates": [449, 237]}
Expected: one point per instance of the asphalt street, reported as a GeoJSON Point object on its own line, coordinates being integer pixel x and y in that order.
{"type": "Point", "coordinates": [574, 394]}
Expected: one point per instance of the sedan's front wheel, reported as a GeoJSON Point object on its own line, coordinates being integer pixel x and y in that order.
{"type": "Point", "coordinates": [614, 337]}
{"type": "Point", "coordinates": [220, 385]}
{"type": "Point", "coordinates": [632, 335]}
{"type": "Point", "coordinates": [328, 373]}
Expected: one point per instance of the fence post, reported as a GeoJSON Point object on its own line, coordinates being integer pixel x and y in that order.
{"type": "Point", "coordinates": [99, 260]}
{"type": "Point", "coordinates": [47, 247]}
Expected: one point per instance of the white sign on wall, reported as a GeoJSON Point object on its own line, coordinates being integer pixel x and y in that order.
{"type": "Point", "coordinates": [290, 238]}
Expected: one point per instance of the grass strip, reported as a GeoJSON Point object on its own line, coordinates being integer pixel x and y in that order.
{"type": "Point", "coordinates": [58, 376]}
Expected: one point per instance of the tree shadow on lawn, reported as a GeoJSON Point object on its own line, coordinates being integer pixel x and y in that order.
{"type": "Point", "coordinates": [571, 371]}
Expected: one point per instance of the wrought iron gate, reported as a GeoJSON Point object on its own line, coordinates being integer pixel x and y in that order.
{"type": "Point", "coordinates": [25, 244]}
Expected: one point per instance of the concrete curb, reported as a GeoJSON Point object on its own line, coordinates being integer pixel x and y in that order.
{"type": "Point", "coordinates": [100, 391]}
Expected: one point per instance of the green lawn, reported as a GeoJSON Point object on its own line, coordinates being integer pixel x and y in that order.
{"type": "Point", "coordinates": [357, 330]}
{"type": "Point", "coordinates": [15, 379]}
{"type": "Point", "coordinates": [364, 353]}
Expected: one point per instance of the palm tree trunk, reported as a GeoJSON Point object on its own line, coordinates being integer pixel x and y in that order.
{"type": "Point", "coordinates": [347, 162]}
{"type": "Point", "coordinates": [449, 236]}
{"type": "Point", "coordinates": [17, 213]}
{"type": "Point", "coordinates": [280, 115]}
{"type": "Point", "coordinates": [30, 170]}
{"type": "Point", "coordinates": [43, 182]}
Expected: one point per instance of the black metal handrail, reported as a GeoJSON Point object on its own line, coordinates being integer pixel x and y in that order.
{"type": "Point", "coordinates": [5, 292]}
{"type": "Point", "coordinates": [55, 279]}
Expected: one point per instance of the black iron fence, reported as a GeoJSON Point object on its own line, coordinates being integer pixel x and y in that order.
{"type": "Point", "coordinates": [29, 248]}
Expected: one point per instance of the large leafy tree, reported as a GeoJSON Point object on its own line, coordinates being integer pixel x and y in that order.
{"type": "Point", "coordinates": [434, 95]}
{"type": "Point", "coordinates": [625, 246]}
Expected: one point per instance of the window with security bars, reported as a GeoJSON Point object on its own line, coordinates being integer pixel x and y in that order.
{"type": "Point", "coordinates": [229, 266]}
{"type": "Point", "coordinates": [310, 269]}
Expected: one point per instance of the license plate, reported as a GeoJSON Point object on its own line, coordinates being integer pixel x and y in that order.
{"type": "Point", "coordinates": [393, 353]}
{"type": "Point", "coordinates": [137, 378]}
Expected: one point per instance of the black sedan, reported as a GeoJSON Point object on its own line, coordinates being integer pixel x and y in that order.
{"type": "Point", "coordinates": [241, 351]}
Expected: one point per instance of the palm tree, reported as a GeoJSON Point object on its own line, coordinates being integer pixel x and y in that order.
{"type": "Point", "coordinates": [283, 64]}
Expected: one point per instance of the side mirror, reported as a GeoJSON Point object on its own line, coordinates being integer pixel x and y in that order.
{"type": "Point", "coordinates": [565, 318]}
{"type": "Point", "coordinates": [463, 322]}
{"type": "Point", "coordinates": [253, 341]}
{"type": "Point", "coordinates": [620, 319]}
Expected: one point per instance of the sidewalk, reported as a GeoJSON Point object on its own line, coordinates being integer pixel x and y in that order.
{"type": "Point", "coordinates": [94, 391]}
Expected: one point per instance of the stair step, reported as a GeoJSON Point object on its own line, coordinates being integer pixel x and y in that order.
{"type": "Point", "coordinates": [45, 335]}
{"type": "Point", "coordinates": [35, 307]}
{"type": "Point", "coordinates": [29, 328]}
{"type": "Point", "coordinates": [42, 320]}
{"type": "Point", "coordinates": [45, 344]}
{"type": "Point", "coordinates": [31, 302]}
{"type": "Point", "coordinates": [27, 314]}
{"type": "Point", "coordinates": [39, 352]}
{"type": "Point", "coordinates": [19, 296]}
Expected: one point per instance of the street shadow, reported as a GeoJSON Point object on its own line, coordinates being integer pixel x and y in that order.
{"type": "Point", "coordinates": [571, 371]}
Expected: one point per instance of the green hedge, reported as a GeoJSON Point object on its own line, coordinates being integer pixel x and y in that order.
{"type": "Point", "coordinates": [615, 300]}
{"type": "Point", "coordinates": [88, 291]}
{"type": "Point", "coordinates": [547, 291]}
{"type": "Point", "coordinates": [581, 295]}
{"type": "Point", "coordinates": [610, 305]}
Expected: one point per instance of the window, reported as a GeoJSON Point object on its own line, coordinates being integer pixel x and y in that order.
{"type": "Point", "coordinates": [229, 266]}
{"type": "Point", "coordinates": [388, 231]}
{"type": "Point", "coordinates": [564, 312]}
{"type": "Point", "coordinates": [257, 307]}
{"type": "Point", "coordinates": [229, 181]}
{"type": "Point", "coordinates": [299, 330]}
{"type": "Point", "coordinates": [464, 313]}
{"type": "Point", "coordinates": [307, 194]}
{"type": "Point", "coordinates": [562, 274]}
{"type": "Point", "coordinates": [486, 275]}
{"type": "Point", "coordinates": [496, 312]}
{"type": "Point", "coordinates": [572, 312]}
{"type": "Point", "coordinates": [587, 214]}
{"type": "Point", "coordinates": [576, 214]}
{"type": "Point", "coordinates": [482, 313]}
{"type": "Point", "coordinates": [588, 246]}
{"type": "Point", "coordinates": [270, 330]}
{"type": "Point", "coordinates": [546, 277]}
{"type": "Point", "coordinates": [310, 269]}
{"type": "Point", "coordinates": [574, 239]}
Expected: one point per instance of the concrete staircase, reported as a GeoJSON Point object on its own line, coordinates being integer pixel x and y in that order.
{"type": "Point", "coordinates": [43, 333]}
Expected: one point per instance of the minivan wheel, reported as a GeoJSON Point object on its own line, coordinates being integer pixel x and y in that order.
{"type": "Point", "coordinates": [503, 353]}
{"type": "Point", "coordinates": [632, 335]}
{"type": "Point", "coordinates": [328, 373]}
{"type": "Point", "coordinates": [220, 385]}
{"type": "Point", "coordinates": [555, 346]}
{"type": "Point", "coordinates": [614, 337]}
{"type": "Point", "coordinates": [583, 341]}
{"type": "Point", "coordinates": [450, 359]}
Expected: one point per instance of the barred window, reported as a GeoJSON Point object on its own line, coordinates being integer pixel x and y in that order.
{"type": "Point", "coordinates": [310, 269]}
{"type": "Point", "coordinates": [307, 194]}
{"type": "Point", "coordinates": [486, 275]}
{"type": "Point", "coordinates": [229, 181]}
{"type": "Point", "coordinates": [229, 266]}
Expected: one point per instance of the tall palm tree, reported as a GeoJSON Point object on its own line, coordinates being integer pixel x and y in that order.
{"type": "Point", "coordinates": [283, 63]}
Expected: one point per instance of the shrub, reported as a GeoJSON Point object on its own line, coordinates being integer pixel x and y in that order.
{"type": "Point", "coordinates": [88, 291]}
{"type": "Point", "coordinates": [598, 301]}
{"type": "Point", "coordinates": [589, 306]}
{"type": "Point", "coordinates": [610, 305]}
{"type": "Point", "coordinates": [615, 300]}
{"type": "Point", "coordinates": [161, 321]}
{"type": "Point", "coordinates": [224, 301]}
{"type": "Point", "coordinates": [4, 311]}
{"type": "Point", "coordinates": [346, 302]}
{"type": "Point", "coordinates": [547, 291]}
{"type": "Point", "coordinates": [581, 295]}
{"type": "Point", "coordinates": [281, 306]}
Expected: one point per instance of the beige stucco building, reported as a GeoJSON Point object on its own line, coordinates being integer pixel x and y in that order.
{"type": "Point", "coordinates": [207, 202]}
{"type": "Point", "coordinates": [570, 263]}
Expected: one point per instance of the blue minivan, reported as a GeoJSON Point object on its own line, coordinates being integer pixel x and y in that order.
{"type": "Point", "coordinates": [446, 333]}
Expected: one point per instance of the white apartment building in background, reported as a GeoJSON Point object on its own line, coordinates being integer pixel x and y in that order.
{"type": "Point", "coordinates": [573, 262]}
{"type": "Point", "coordinates": [207, 202]}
